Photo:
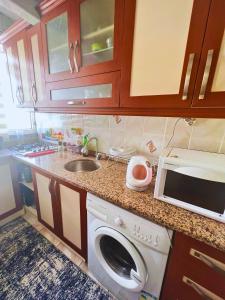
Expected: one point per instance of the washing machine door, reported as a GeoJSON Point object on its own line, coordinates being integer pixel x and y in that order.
{"type": "Point", "coordinates": [120, 259]}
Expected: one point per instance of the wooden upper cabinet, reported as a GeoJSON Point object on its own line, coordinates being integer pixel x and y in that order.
{"type": "Point", "coordinates": [100, 90]}
{"type": "Point", "coordinates": [210, 85]}
{"type": "Point", "coordinates": [35, 52]}
{"type": "Point", "coordinates": [24, 55]}
{"type": "Point", "coordinates": [18, 58]}
{"type": "Point", "coordinates": [161, 51]}
{"type": "Point", "coordinates": [82, 38]}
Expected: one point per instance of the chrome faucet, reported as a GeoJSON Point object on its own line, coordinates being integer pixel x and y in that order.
{"type": "Point", "coordinates": [85, 150]}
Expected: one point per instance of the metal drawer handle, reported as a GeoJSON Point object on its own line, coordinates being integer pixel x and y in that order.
{"type": "Point", "coordinates": [17, 95]}
{"type": "Point", "coordinates": [203, 292]}
{"type": "Point", "coordinates": [34, 93]}
{"type": "Point", "coordinates": [21, 94]}
{"type": "Point", "coordinates": [188, 76]}
{"type": "Point", "coordinates": [51, 182]}
{"type": "Point", "coordinates": [209, 261]}
{"type": "Point", "coordinates": [69, 60]}
{"type": "Point", "coordinates": [76, 45]}
{"type": "Point", "coordinates": [82, 102]}
{"type": "Point", "coordinates": [206, 74]}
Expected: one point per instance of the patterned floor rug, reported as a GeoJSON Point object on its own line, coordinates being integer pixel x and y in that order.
{"type": "Point", "coordinates": [32, 268]}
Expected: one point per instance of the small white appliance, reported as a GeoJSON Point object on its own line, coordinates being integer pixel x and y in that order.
{"type": "Point", "coordinates": [126, 253]}
{"type": "Point", "coordinates": [194, 180]}
{"type": "Point", "coordinates": [139, 173]}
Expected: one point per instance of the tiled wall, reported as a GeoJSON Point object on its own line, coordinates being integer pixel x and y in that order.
{"type": "Point", "coordinates": [205, 134]}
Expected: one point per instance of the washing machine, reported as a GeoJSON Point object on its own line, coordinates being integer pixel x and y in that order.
{"type": "Point", "coordinates": [126, 253]}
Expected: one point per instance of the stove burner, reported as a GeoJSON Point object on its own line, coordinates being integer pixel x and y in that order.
{"type": "Point", "coordinates": [26, 149]}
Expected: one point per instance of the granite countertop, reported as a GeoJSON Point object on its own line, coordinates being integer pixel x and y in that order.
{"type": "Point", "coordinates": [108, 182]}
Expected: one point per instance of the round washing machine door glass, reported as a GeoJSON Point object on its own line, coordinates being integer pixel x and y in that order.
{"type": "Point", "coordinates": [120, 259]}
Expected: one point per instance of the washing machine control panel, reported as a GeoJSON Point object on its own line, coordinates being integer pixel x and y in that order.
{"type": "Point", "coordinates": [131, 225]}
{"type": "Point", "coordinates": [149, 238]}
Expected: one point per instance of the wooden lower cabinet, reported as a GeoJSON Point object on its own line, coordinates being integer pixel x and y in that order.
{"type": "Point", "coordinates": [61, 207]}
{"type": "Point", "coordinates": [44, 199]}
{"type": "Point", "coordinates": [10, 201]}
{"type": "Point", "coordinates": [195, 271]}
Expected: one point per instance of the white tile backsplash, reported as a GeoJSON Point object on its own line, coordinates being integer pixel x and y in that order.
{"type": "Point", "coordinates": [205, 134]}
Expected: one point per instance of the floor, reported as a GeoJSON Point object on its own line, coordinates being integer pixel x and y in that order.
{"type": "Point", "coordinates": [65, 249]}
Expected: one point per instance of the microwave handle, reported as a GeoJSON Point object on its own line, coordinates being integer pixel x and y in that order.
{"type": "Point", "coordinates": [198, 172]}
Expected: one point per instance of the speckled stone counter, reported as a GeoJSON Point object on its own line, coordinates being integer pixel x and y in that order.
{"type": "Point", "coordinates": [108, 182]}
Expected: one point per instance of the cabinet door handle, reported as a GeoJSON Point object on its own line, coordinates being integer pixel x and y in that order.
{"type": "Point", "coordinates": [51, 182]}
{"type": "Point", "coordinates": [188, 75]}
{"type": "Point", "coordinates": [17, 95]}
{"type": "Point", "coordinates": [209, 261]}
{"type": "Point", "coordinates": [21, 94]}
{"type": "Point", "coordinates": [82, 102]}
{"type": "Point", "coordinates": [76, 46]}
{"type": "Point", "coordinates": [34, 93]}
{"type": "Point", "coordinates": [69, 60]}
{"type": "Point", "coordinates": [206, 74]}
{"type": "Point", "coordinates": [203, 292]}
{"type": "Point", "coordinates": [54, 188]}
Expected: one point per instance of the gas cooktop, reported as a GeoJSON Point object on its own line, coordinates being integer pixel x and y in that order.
{"type": "Point", "coordinates": [32, 150]}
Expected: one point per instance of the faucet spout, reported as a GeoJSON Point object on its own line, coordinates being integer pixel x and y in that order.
{"type": "Point", "coordinates": [85, 150]}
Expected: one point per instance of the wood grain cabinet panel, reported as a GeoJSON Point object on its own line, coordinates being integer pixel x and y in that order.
{"type": "Point", "coordinates": [72, 216]}
{"type": "Point", "coordinates": [61, 207]}
{"type": "Point", "coordinates": [44, 197]}
{"type": "Point", "coordinates": [161, 52]}
{"type": "Point", "coordinates": [195, 271]}
{"type": "Point", "coordinates": [10, 200]}
{"type": "Point", "coordinates": [34, 42]}
{"type": "Point", "coordinates": [210, 84]}
{"type": "Point", "coordinates": [100, 90]}
{"type": "Point", "coordinates": [70, 207]}
{"type": "Point", "coordinates": [24, 68]}
{"type": "Point", "coordinates": [80, 40]}
{"type": "Point", "coordinates": [7, 199]}
{"type": "Point", "coordinates": [17, 57]}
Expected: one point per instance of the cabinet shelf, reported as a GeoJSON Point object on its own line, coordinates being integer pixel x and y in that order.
{"type": "Point", "coordinates": [58, 48]}
{"type": "Point", "coordinates": [98, 51]}
{"type": "Point", "coordinates": [98, 32]}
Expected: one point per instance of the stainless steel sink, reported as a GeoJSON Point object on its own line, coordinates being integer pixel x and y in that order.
{"type": "Point", "coordinates": [82, 165]}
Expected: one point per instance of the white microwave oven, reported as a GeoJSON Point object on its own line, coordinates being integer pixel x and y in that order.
{"type": "Point", "coordinates": [194, 180]}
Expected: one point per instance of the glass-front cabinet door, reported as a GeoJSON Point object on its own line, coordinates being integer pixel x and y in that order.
{"type": "Point", "coordinates": [100, 35]}
{"type": "Point", "coordinates": [100, 91]}
{"type": "Point", "coordinates": [210, 85]}
{"type": "Point", "coordinates": [56, 30]}
{"type": "Point", "coordinates": [97, 31]}
{"type": "Point", "coordinates": [80, 40]}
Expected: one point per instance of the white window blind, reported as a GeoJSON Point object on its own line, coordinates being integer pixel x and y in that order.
{"type": "Point", "coordinates": [11, 117]}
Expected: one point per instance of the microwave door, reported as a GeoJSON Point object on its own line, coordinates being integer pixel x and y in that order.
{"type": "Point", "coordinates": [203, 188]}
{"type": "Point", "coordinates": [201, 173]}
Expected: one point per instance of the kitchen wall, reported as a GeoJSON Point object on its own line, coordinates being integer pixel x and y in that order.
{"type": "Point", "coordinates": [204, 134]}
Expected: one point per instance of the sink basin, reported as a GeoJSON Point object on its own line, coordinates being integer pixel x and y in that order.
{"type": "Point", "coordinates": [82, 165]}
